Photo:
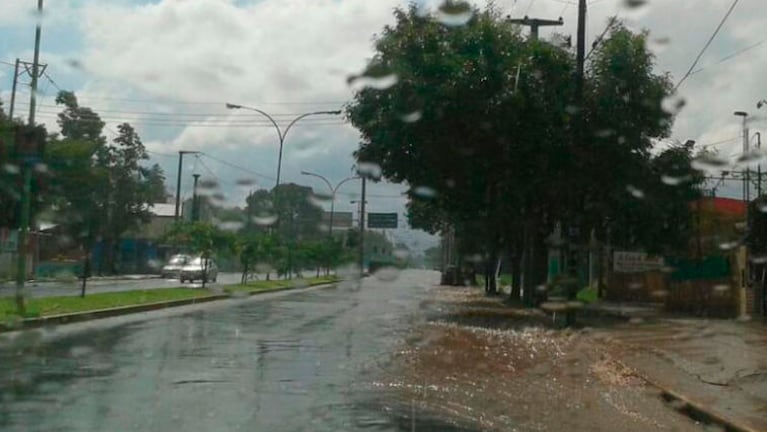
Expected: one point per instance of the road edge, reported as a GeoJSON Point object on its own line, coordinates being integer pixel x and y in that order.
{"type": "Point", "coordinates": [689, 407]}
{"type": "Point", "coordinates": [76, 317]}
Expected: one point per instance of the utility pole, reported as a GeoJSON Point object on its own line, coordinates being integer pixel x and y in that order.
{"type": "Point", "coordinates": [362, 229]}
{"type": "Point", "coordinates": [195, 200]}
{"type": "Point", "coordinates": [759, 167]}
{"type": "Point", "coordinates": [181, 154]}
{"type": "Point", "coordinates": [21, 270]}
{"type": "Point", "coordinates": [13, 89]}
{"type": "Point", "coordinates": [534, 24]}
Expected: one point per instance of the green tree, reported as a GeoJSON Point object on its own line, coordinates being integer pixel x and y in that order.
{"type": "Point", "coordinates": [202, 239]}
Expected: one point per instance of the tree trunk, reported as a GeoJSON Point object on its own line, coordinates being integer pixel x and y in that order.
{"type": "Point", "coordinates": [244, 278]}
{"type": "Point", "coordinates": [86, 270]}
{"type": "Point", "coordinates": [516, 274]}
{"type": "Point", "coordinates": [528, 266]}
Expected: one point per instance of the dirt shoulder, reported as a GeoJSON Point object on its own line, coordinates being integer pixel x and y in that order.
{"type": "Point", "coordinates": [479, 364]}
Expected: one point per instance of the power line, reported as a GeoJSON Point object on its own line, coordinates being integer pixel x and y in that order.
{"type": "Point", "coordinates": [730, 56]}
{"type": "Point", "coordinates": [610, 23]}
{"type": "Point", "coordinates": [241, 168]}
{"type": "Point", "coordinates": [708, 42]}
{"type": "Point", "coordinates": [48, 77]}
{"type": "Point", "coordinates": [529, 6]}
{"type": "Point", "coordinates": [219, 103]}
{"type": "Point", "coordinates": [185, 114]}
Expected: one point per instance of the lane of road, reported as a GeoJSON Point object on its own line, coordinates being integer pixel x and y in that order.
{"type": "Point", "coordinates": [292, 362]}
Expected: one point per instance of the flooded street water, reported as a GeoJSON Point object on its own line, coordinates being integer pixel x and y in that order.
{"type": "Point", "coordinates": [300, 361]}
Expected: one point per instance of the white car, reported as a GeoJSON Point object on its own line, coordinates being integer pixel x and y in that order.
{"type": "Point", "coordinates": [196, 269]}
{"type": "Point", "coordinates": [173, 268]}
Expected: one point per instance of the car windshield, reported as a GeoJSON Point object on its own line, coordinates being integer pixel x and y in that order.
{"type": "Point", "coordinates": [416, 215]}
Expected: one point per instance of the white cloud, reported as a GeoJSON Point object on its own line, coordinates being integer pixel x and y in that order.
{"type": "Point", "coordinates": [293, 56]}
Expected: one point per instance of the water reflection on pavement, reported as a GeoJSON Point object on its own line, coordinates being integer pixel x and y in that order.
{"type": "Point", "coordinates": [299, 361]}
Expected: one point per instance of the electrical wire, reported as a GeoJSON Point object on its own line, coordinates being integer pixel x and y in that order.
{"type": "Point", "coordinates": [730, 56]}
{"type": "Point", "coordinates": [610, 23]}
{"type": "Point", "coordinates": [708, 43]}
{"type": "Point", "coordinates": [235, 166]}
{"type": "Point", "coordinates": [529, 6]}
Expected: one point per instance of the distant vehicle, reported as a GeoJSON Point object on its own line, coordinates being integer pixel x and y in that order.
{"type": "Point", "coordinates": [173, 268]}
{"type": "Point", "coordinates": [195, 269]}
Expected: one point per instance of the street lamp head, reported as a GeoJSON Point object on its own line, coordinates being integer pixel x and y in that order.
{"type": "Point", "coordinates": [741, 113]}
{"type": "Point", "coordinates": [335, 112]}
{"type": "Point", "coordinates": [233, 106]}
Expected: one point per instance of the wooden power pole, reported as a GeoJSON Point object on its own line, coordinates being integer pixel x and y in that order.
{"type": "Point", "coordinates": [535, 24]}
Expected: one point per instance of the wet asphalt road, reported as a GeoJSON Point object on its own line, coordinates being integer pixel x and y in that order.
{"type": "Point", "coordinates": [72, 288]}
{"type": "Point", "coordinates": [288, 362]}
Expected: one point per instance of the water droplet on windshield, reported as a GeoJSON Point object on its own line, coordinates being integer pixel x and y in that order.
{"type": "Point", "coordinates": [11, 168]}
{"type": "Point", "coordinates": [369, 169]}
{"type": "Point", "coordinates": [763, 207]}
{"type": "Point", "coordinates": [74, 64]}
{"type": "Point", "coordinates": [230, 225]}
{"type": "Point", "coordinates": [80, 351]}
{"type": "Point", "coordinates": [709, 162]}
{"type": "Point", "coordinates": [673, 104]}
{"type": "Point", "coordinates": [376, 77]}
{"type": "Point", "coordinates": [674, 180]}
{"type": "Point", "coordinates": [572, 109]}
{"type": "Point", "coordinates": [635, 192]}
{"type": "Point", "coordinates": [604, 133]}
{"type": "Point", "coordinates": [318, 199]}
{"type": "Point", "coordinates": [264, 219]}
{"type": "Point", "coordinates": [721, 288]}
{"type": "Point", "coordinates": [412, 117]}
{"type": "Point", "coordinates": [264, 268]}
{"type": "Point", "coordinates": [401, 253]}
{"type": "Point", "coordinates": [759, 259]}
{"type": "Point", "coordinates": [207, 184]}
{"type": "Point", "coordinates": [729, 245]}
{"type": "Point", "coordinates": [750, 159]}
{"type": "Point", "coordinates": [634, 3]}
{"type": "Point", "coordinates": [454, 14]}
{"type": "Point", "coordinates": [245, 182]}
{"type": "Point", "coordinates": [41, 168]}
{"type": "Point", "coordinates": [387, 274]}
{"type": "Point", "coordinates": [424, 192]}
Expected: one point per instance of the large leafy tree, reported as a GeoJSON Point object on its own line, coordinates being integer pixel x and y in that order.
{"type": "Point", "coordinates": [485, 119]}
{"type": "Point", "coordinates": [102, 188]}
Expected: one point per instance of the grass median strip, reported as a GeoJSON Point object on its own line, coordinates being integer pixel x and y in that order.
{"type": "Point", "coordinates": [46, 306]}
{"type": "Point", "coordinates": [267, 285]}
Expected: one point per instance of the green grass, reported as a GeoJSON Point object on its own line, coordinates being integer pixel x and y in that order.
{"type": "Point", "coordinates": [588, 295]}
{"type": "Point", "coordinates": [46, 306]}
{"type": "Point", "coordinates": [266, 285]}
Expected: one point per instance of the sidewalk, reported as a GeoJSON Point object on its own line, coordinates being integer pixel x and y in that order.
{"type": "Point", "coordinates": [717, 365]}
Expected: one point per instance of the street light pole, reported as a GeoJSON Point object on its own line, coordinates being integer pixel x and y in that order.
{"type": "Point", "coordinates": [181, 154]}
{"type": "Point", "coordinates": [333, 191]}
{"type": "Point", "coordinates": [280, 133]}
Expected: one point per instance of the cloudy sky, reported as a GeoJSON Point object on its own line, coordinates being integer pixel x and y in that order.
{"type": "Point", "coordinates": [169, 66]}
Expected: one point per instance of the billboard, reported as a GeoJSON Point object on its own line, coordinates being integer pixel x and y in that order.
{"type": "Point", "coordinates": [340, 219]}
{"type": "Point", "coordinates": [382, 220]}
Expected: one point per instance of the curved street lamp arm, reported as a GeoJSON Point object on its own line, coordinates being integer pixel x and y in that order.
{"type": "Point", "coordinates": [344, 181]}
{"type": "Point", "coordinates": [280, 134]}
{"type": "Point", "coordinates": [319, 177]}
{"type": "Point", "coordinates": [295, 120]}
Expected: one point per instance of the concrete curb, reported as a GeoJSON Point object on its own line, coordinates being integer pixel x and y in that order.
{"type": "Point", "coordinates": [692, 409]}
{"type": "Point", "coordinates": [70, 318]}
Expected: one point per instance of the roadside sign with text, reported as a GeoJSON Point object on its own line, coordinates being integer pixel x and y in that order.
{"type": "Point", "coordinates": [636, 262]}
{"type": "Point", "coordinates": [382, 220]}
